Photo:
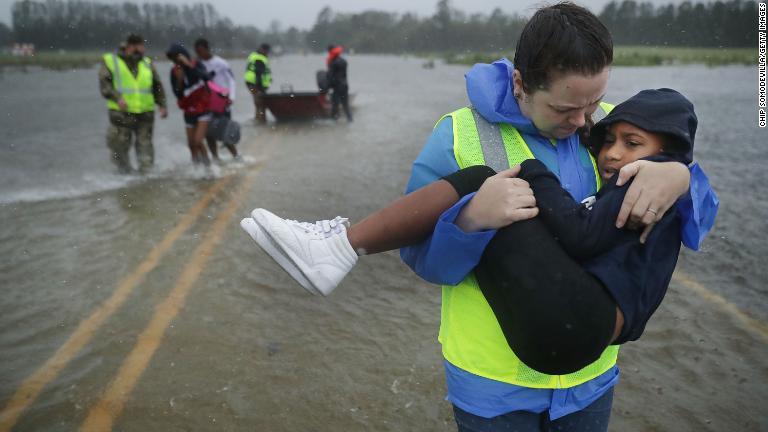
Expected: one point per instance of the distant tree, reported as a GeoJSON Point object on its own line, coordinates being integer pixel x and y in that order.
{"type": "Point", "coordinates": [6, 35]}
{"type": "Point", "coordinates": [321, 32]}
{"type": "Point", "coordinates": [714, 24]}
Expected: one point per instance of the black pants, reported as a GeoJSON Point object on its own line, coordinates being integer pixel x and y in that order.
{"type": "Point", "coordinates": [556, 317]}
{"type": "Point", "coordinates": [340, 96]}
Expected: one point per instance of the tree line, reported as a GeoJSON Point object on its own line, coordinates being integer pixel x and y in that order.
{"type": "Point", "coordinates": [714, 24]}
{"type": "Point", "coordinates": [85, 25]}
{"type": "Point", "coordinates": [449, 29]}
{"type": "Point", "coordinates": [80, 24]}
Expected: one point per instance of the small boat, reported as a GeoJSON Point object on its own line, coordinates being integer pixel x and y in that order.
{"type": "Point", "coordinates": [290, 105]}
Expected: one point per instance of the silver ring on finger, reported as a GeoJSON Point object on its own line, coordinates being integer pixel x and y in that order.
{"type": "Point", "coordinates": [655, 212]}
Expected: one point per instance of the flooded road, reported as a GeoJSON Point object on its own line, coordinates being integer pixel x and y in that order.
{"type": "Point", "coordinates": [139, 305]}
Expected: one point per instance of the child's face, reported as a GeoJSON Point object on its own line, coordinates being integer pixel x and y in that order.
{"type": "Point", "coordinates": [625, 143]}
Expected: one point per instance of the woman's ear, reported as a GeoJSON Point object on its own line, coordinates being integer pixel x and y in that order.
{"type": "Point", "coordinates": [517, 82]}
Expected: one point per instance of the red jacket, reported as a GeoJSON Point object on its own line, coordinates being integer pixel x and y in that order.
{"type": "Point", "coordinates": [195, 96]}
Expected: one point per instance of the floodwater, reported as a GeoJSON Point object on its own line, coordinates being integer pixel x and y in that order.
{"type": "Point", "coordinates": [138, 304]}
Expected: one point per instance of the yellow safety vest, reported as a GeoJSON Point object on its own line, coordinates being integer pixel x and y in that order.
{"type": "Point", "coordinates": [135, 90]}
{"type": "Point", "coordinates": [250, 71]}
{"type": "Point", "coordinates": [469, 332]}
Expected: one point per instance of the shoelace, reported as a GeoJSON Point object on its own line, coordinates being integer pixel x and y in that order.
{"type": "Point", "coordinates": [325, 228]}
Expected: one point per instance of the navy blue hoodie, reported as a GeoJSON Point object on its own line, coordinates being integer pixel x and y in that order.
{"type": "Point", "coordinates": [192, 75]}
{"type": "Point", "coordinates": [636, 275]}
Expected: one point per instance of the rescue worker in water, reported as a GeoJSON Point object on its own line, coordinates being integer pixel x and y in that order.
{"type": "Point", "coordinates": [130, 84]}
{"type": "Point", "coordinates": [258, 78]}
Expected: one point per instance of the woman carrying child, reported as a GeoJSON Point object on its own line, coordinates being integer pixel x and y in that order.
{"type": "Point", "coordinates": [537, 108]}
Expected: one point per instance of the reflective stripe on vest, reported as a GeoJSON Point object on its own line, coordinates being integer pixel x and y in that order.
{"type": "Point", "coordinates": [250, 71]}
{"type": "Point", "coordinates": [491, 142]}
{"type": "Point", "coordinates": [469, 332]}
{"type": "Point", "coordinates": [135, 90]}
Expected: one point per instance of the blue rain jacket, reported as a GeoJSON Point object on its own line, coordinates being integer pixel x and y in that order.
{"type": "Point", "coordinates": [449, 254]}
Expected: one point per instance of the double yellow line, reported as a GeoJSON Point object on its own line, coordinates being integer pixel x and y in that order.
{"type": "Point", "coordinates": [109, 407]}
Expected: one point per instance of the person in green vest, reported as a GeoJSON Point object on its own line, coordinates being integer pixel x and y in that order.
{"type": "Point", "coordinates": [544, 100]}
{"type": "Point", "coordinates": [130, 84]}
{"type": "Point", "coordinates": [258, 78]}
{"type": "Point", "coordinates": [541, 106]}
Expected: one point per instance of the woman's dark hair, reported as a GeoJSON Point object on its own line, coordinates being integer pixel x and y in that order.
{"type": "Point", "coordinates": [559, 39]}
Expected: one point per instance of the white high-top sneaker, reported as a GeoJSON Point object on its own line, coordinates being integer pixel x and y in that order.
{"type": "Point", "coordinates": [254, 230]}
{"type": "Point", "coordinates": [320, 252]}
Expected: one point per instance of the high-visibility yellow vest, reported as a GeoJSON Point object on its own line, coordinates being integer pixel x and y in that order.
{"type": "Point", "coordinates": [135, 90]}
{"type": "Point", "coordinates": [250, 71]}
{"type": "Point", "coordinates": [470, 335]}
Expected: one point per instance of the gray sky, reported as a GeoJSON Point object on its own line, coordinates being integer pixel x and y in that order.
{"type": "Point", "coordinates": [302, 13]}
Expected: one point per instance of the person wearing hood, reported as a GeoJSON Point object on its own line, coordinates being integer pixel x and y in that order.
{"type": "Point", "coordinates": [130, 84]}
{"type": "Point", "coordinates": [558, 315]}
{"type": "Point", "coordinates": [337, 81]}
{"type": "Point", "coordinates": [188, 82]}
{"type": "Point", "coordinates": [539, 107]}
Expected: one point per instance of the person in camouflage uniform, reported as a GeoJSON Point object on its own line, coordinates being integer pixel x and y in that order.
{"type": "Point", "coordinates": [132, 88]}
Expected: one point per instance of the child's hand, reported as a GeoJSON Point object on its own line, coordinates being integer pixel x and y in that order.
{"type": "Point", "coordinates": [502, 200]}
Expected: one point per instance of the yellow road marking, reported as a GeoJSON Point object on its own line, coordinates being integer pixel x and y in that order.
{"type": "Point", "coordinates": [31, 387]}
{"type": "Point", "coordinates": [103, 414]}
{"type": "Point", "coordinates": [752, 324]}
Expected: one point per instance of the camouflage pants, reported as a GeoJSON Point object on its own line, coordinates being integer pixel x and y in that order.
{"type": "Point", "coordinates": [124, 130]}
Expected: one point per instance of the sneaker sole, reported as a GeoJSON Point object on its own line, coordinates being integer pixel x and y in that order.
{"type": "Point", "coordinates": [268, 245]}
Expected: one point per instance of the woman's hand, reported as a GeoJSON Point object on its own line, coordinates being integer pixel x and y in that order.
{"type": "Point", "coordinates": [502, 200]}
{"type": "Point", "coordinates": [656, 187]}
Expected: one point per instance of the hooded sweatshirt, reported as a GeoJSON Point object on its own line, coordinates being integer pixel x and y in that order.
{"type": "Point", "coordinates": [450, 254]}
{"type": "Point", "coordinates": [193, 96]}
{"type": "Point", "coordinates": [333, 53]}
{"type": "Point", "coordinates": [337, 70]}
